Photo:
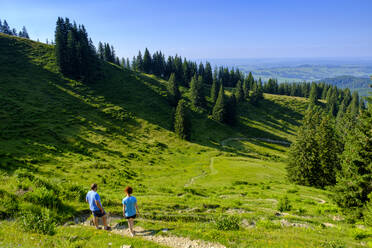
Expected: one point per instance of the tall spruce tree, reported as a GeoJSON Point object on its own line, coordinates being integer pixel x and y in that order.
{"type": "Point", "coordinates": [208, 76]}
{"type": "Point", "coordinates": [313, 157]}
{"type": "Point", "coordinates": [313, 98]}
{"type": "Point", "coordinates": [239, 93]}
{"type": "Point", "coordinates": [147, 63]}
{"type": "Point", "coordinates": [139, 62]}
{"type": "Point", "coordinates": [353, 108]}
{"type": "Point", "coordinates": [174, 94]}
{"type": "Point", "coordinates": [219, 109]}
{"type": "Point", "coordinates": [246, 87]}
{"type": "Point", "coordinates": [197, 91]}
{"type": "Point", "coordinates": [231, 110]}
{"type": "Point", "coordinates": [6, 29]}
{"type": "Point", "coordinates": [25, 33]}
{"type": "Point", "coordinates": [182, 125]}
{"type": "Point", "coordinates": [355, 177]}
{"type": "Point", "coordinates": [214, 90]}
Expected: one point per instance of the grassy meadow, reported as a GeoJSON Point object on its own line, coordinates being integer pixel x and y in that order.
{"type": "Point", "coordinates": [57, 136]}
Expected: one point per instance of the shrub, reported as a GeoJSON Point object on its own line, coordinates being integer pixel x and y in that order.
{"type": "Point", "coordinates": [367, 214]}
{"type": "Point", "coordinates": [75, 191]}
{"type": "Point", "coordinates": [227, 223]}
{"type": "Point", "coordinates": [267, 224]}
{"type": "Point", "coordinates": [333, 244]}
{"type": "Point", "coordinates": [44, 197]}
{"type": "Point", "coordinates": [358, 234]}
{"type": "Point", "coordinates": [301, 211]}
{"type": "Point", "coordinates": [8, 204]}
{"type": "Point", "coordinates": [38, 221]}
{"type": "Point", "coordinates": [284, 204]}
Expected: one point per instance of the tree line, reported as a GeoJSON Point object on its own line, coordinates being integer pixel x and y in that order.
{"type": "Point", "coordinates": [5, 29]}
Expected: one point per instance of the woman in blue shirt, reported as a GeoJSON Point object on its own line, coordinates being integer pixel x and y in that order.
{"type": "Point", "coordinates": [130, 208]}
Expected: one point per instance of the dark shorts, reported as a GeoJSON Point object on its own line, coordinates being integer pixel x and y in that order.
{"type": "Point", "coordinates": [98, 213]}
{"type": "Point", "coordinates": [131, 217]}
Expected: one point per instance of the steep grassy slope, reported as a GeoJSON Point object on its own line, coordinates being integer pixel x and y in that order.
{"type": "Point", "coordinates": [57, 136]}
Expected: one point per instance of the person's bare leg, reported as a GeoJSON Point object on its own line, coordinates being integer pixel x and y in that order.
{"type": "Point", "coordinates": [131, 224]}
{"type": "Point", "coordinates": [104, 218]}
{"type": "Point", "coordinates": [95, 221]}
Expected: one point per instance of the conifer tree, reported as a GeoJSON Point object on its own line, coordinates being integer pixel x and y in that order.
{"type": "Point", "coordinates": [231, 109]}
{"type": "Point", "coordinates": [24, 33]}
{"type": "Point", "coordinates": [173, 92]}
{"type": "Point", "coordinates": [313, 157]}
{"type": "Point", "coordinates": [313, 98]}
{"type": "Point", "coordinates": [250, 81]}
{"type": "Point", "coordinates": [219, 109]}
{"type": "Point", "coordinates": [208, 77]}
{"type": "Point", "coordinates": [128, 64]}
{"type": "Point", "coordinates": [139, 62]}
{"type": "Point", "coordinates": [214, 90]}
{"type": "Point", "coordinates": [355, 177]}
{"type": "Point", "coordinates": [101, 51]}
{"type": "Point", "coordinates": [182, 125]}
{"type": "Point", "coordinates": [147, 63]}
{"type": "Point", "coordinates": [353, 108]}
{"type": "Point", "coordinates": [6, 29]}
{"type": "Point", "coordinates": [246, 87]}
{"type": "Point", "coordinates": [239, 93]}
{"type": "Point", "coordinates": [196, 91]}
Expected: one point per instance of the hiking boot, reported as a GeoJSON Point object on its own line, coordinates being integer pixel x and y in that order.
{"type": "Point", "coordinates": [108, 228]}
{"type": "Point", "coordinates": [98, 227]}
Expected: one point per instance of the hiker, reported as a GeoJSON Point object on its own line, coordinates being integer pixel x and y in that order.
{"type": "Point", "coordinates": [96, 207]}
{"type": "Point", "coordinates": [130, 208]}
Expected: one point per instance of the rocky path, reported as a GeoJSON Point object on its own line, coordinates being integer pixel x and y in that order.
{"type": "Point", "coordinates": [168, 240]}
{"type": "Point", "coordinates": [151, 235]}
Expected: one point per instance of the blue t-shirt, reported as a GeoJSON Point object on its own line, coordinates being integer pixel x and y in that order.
{"type": "Point", "coordinates": [130, 205]}
{"type": "Point", "coordinates": [92, 197]}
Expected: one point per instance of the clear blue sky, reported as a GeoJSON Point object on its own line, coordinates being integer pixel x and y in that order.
{"type": "Point", "coordinates": [209, 29]}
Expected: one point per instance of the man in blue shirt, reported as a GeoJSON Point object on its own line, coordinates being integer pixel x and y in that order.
{"type": "Point", "coordinates": [96, 207]}
{"type": "Point", "coordinates": [130, 208]}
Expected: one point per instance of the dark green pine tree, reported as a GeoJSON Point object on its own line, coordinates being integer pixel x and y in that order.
{"type": "Point", "coordinates": [250, 81]}
{"type": "Point", "coordinates": [128, 64]}
{"type": "Point", "coordinates": [231, 110]}
{"type": "Point", "coordinates": [313, 98]}
{"type": "Point", "coordinates": [313, 157]}
{"type": "Point", "coordinates": [239, 93]}
{"type": "Point", "coordinates": [208, 76]}
{"type": "Point", "coordinates": [219, 109]}
{"type": "Point", "coordinates": [147, 61]}
{"type": "Point", "coordinates": [214, 90]}
{"type": "Point", "coordinates": [139, 62]}
{"type": "Point", "coordinates": [259, 89]}
{"type": "Point", "coordinates": [6, 29]}
{"type": "Point", "coordinates": [101, 51]}
{"type": "Point", "coordinates": [174, 94]}
{"type": "Point", "coordinates": [182, 125]}
{"type": "Point", "coordinates": [353, 108]}
{"type": "Point", "coordinates": [354, 179]}
{"type": "Point", "coordinates": [196, 91]}
{"type": "Point", "coordinates": [60, 48]}
{"type": "Point", "coordinates": [71, 49]}
{"type": "Point", "coordinates": [246, 88]}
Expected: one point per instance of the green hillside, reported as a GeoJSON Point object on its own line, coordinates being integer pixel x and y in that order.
{"type": "Point", "coordinates": [57, 136]}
